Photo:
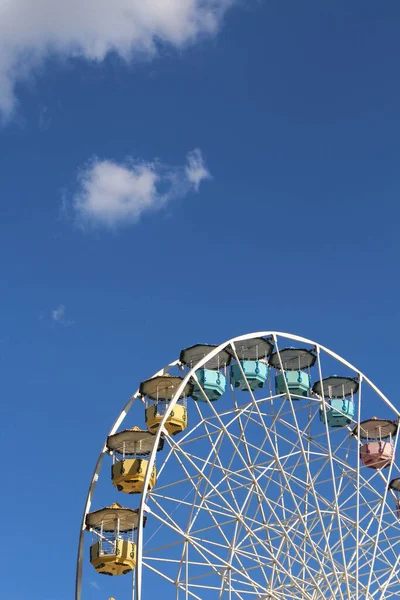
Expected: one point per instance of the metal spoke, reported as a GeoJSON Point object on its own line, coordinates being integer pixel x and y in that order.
{"type": "Point", "coordinates": [261, 497]}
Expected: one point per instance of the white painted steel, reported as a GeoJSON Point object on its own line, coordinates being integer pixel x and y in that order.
{"type": "Point", "coordinates": [92, 486]}
{"type": "Point", "coordinates": [310, 568]}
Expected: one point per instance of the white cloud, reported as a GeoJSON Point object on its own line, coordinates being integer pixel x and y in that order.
{"type": "Point", "coordinates": [59, 315]}
{"type": "Point", "coordinates": [195, 169]}
{"type": "Point", "coordinates": [31, 30]}
{"type": "Point", "coordinates": [44, 118]}
{"type": "Point", "coordinates": [112, 194]}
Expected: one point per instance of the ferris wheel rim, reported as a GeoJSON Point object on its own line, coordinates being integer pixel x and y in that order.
{"type": "Point", "coordinates": [191, 373]}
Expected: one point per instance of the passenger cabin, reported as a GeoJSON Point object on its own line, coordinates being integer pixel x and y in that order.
{"type": "Point", "coordinates": [394, 485]}
{"type": "Point", "coordinates": [376, 435]}
{"type": "Point", "coordinates": [250, 371]}
{"type": "Point", "coordinates": [113, 551]}
{"type": "Point", "coordinates": [338, 394]}
{"type": "Point", "coordinates": [158, 393]}
{"type": "Point", "coordinates": [130, 449]}
{"type": "Point", "coordinates": [292, 367]}
{"type": "Point", "coordinates": [209, 382]}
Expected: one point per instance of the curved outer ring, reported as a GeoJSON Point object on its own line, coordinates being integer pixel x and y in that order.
{"type": "Point", "coordinates": [143, 508]}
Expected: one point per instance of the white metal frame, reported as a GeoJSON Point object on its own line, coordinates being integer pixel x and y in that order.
{"type": "Point", "coordinates": [334, 582]}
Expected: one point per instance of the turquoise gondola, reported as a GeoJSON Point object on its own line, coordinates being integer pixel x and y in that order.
{"type": "Point", "coordinates": [338, 393]}
{"type": "Point", "coordinates": [291, 375]}
{"type": "Point", "coordinates": [255, 374]}
{"type": "Point", "coordinates": [211, 382]}
{"type": "Point", "coordinates": [251, 372]}
{"type": "Point", "coordinates": [339, 413]}
{"type": "Point", "coordinates": [297, 382]}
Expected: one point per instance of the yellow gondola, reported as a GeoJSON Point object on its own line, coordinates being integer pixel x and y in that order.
{"type": "Point", "coordinates": [114, 549]}
{"type": "Point", "coordinates": [158, 392]}
{"type": "Point", "coordinates": [129, 447]}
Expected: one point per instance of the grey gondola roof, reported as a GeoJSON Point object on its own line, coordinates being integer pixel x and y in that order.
{"type": "Point", "coordinates": [106, 518]}
{"type": "Point", "coordinates": [191, 356]}
{"type": "Point", "coordinates": [376, 428]}
{"type": "Point", "coordinates": [135, 441]}
{"type": "Point", "coordinates": [253, 349]}
{"type": "Point", "coordinates": [395, 484]}
{"type": "Point", "coordinates": [293, 359]}
{"type": "Point", "coordinates": [163, 387]}
{"type": "Point", "coordinates": [336, 387]}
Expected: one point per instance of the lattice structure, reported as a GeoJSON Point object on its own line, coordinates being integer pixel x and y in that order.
{"type": "Point", "coordinates": [263, 495]}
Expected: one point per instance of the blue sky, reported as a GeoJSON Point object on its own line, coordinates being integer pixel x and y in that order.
{"type": "Point", "coordinates": [292, 109]}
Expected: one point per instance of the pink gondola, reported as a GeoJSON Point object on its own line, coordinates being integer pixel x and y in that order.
{"type": "Point", "coordinates": [377, 454]}
{"type": "Point", "coordinates": [377, 451]}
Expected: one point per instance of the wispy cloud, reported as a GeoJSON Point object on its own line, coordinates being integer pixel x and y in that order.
{"type": "Point", "coordinates": [94, 584]}
{"type": "Point", "coordinates": [63, 211]}
{"type": "Point", "coordinates": [112, 195]}
{"type": "Point", "coordinates": [196, 170]}
{"type": "Point", "coordinates": [30, 31]}
{"type": "Point", "coordinates": [58, 315]}
{"type": "Point", "coordinates": [44, 118]}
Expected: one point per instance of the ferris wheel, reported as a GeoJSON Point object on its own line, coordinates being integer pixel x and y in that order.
{"type": "Point", "coordinates": [262, 468]}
